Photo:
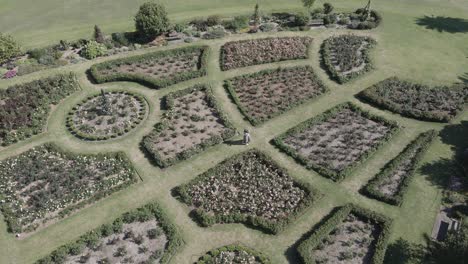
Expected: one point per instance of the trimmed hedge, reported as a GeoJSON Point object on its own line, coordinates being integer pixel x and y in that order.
{"type": "Point", "coordinates": [423, 141]}
{"type": "Point", "coordinates": [159, 127]}
{"type": "Point", "coordinates": [326, 51]}
{"type": "Point", "coordinates": [147, 80]}
{"type": "Point", "coordinates": [306, 247]}
{"type": "Point", "coordinates": [417, 99]}
{"type": "Point", "coordinates": [274, 227]}
{"type": "Point", "coordinates": [335, 176]}
{"type": "Point", "coordinates": [210, 255]}
{"type": "Point", "coordinates": [84, 136]}
{"type": "Point", "coordinates": [254, 121]}
{"type": "Point", "coordinates": [151, 210]}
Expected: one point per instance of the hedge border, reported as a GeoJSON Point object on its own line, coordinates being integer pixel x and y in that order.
{"type": "Point", "coordinates": [335, 176]}
{"type": "Point", "coordinates": [222, 51]}
{"type": "Point", "coordinates": [11, 220]}
{"type": "Point", "coordinates": [206, 219]}
{"type": "Point", "coordinates": [150, 81]}
{"type": "Point", "coordinates": [259, 257]}
{"type": "Point", "coordinates": [256, 122]}
{"type": "Point", "coordinates": [369, 96]}
{"type": "Point", "coordinates": [324, 229]}
{"type": "Point", "coordinates": [325, 51]}
{"type": "Point", "coordinates": [168, 103]}
{"type": "Point", "coordinates": [175, 240]}
{"type": "Point", "coordinates": [85, 136]}
{"type": "Point", "coordinates": [423, 141]}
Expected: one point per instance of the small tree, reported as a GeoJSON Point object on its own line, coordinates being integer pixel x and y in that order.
{"type": "Point", "coordinates": [308, 4]}
{"type": "Point", "coordinates": [327, 8]}
{"type": "Point", "coordinates": [9, 48]}
{"type": "Point", "coordinates": [151, 20]}
{"type": "Point", "coordinates": [98, 35]}
{"type": "Point", "coordinates": [256, 16]}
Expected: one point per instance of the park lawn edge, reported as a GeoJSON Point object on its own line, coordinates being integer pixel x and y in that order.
{"type": "Point", "coordinates": [323, 230]}
{"type": "Point", "coordinates": [424, 141]}
{"type": "Point", "coordinates": [325, 51]}
{"type": "Point", "coordinates": [87, 137]}
{"type": "Point", "coordinates": [335, 176]}
{"type": "Point", "coordinates": [143, 79]}
{"type": "Point", "coordinates": [11, 220]}
{"type": "Point", "coordinates": [181, 192]}
{"type": "Point", "coordinates": [259, 256]}
{"type": "Point", "coordinates": [168, 104]}
{"type": "Point", "coordinates": [174, 238]}
{"type": "Point", "coordinates": [255, 121]}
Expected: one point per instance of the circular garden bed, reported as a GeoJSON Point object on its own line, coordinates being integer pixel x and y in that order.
{"type": "Point", "coordinates": [107, 115]}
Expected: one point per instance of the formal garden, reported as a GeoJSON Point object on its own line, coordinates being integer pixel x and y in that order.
{"type": "Point", "coordinates": [121, 140]}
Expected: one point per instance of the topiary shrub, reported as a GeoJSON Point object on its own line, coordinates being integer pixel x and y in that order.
{"type": "Point", "coordinates": [93, 50]}
{"type": "Point", "coordinates": [151, 20]}
{"type": "Point", "coordinates": [9, 48]}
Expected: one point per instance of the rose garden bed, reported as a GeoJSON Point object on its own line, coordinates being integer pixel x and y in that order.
{"type": "Point", "coordinates": [45, 183]}
{"type": "Point", "coordinates": [24, 108]}
{"type": "Point", "coordinates": [266, 94]}
{"type": "Point", "coordinates": [192, 122]}
{"type": "Point", "coordinates": [418, 101]}
{"type": "Point", "coordinates": [334, 142]}
{"type": "Point", "coordinates": [107, 115]}
{"type": "Point", "coordinates": [158, 69]}
{"type": "Point", "coordinates": [233, 254]}
{"type": "Point", "coordinates": [247, 188]}
{"type": "Point", "coordinates": [245, 53]}
{"type": "Point", "coordinates": [144, 235]}
{"type": "Point", "coordinates": [350, 235]}
{"type": "Point", "coordinates": [391, 183]}
{"type": "Point", "coordinates": [346, 57]}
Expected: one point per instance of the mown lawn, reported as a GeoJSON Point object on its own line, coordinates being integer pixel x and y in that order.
{"type": "Point", "coordinates": [404, 49]}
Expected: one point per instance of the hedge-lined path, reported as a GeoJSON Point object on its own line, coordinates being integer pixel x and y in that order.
{"type": "Point", "coordinates": [412, 220]}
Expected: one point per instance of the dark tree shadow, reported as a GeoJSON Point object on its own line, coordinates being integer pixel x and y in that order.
{"type": "Point", "coordinates": [456, 135]}
{"type": "Point", "coordinates": [402, 251]}
{"type": "Point", "coordinates": [444, 24]}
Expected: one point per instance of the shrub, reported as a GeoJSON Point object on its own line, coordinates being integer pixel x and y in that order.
{"type": "Point", "coordinates": [120, 39]}
{"type": "Point", "coordinates": [327, 8]}
{"type": "Point", "coordinates": [93, 50]}
{"type": "Point", "coordinates": [179, 27]}
{"type": "Point", "coordinates": [9, 48]}
{"type": "Point", "coordinates": [301, 19]}
{"type": "Point", "coordinates": [151, 20]}
{"type": "Point", "coordinates": [213, 20]}
{"type": "Point", "coordinates": [329, 19]}
{"type": "Point", "coordinates": [214, 34]}
{"type": "Point", "coordinates": [238, 23]}
{"type": "Point", "coordinates": [241, 253]}
{"type": "Point", "coordinates": [98, 35]}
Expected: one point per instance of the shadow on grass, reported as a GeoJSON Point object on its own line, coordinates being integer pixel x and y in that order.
{"type": "Point", "coordinates": [444, 24]}
{"type": "Point", "coordinates": [402, 251]}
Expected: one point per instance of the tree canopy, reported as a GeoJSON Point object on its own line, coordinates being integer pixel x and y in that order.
{"type": "Point", "coordinates": [9, 48]}
{"type": "Point", "coordinates": [151, 20]}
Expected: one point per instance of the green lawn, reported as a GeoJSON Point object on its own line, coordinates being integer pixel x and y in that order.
{"type": "Point", "coordinates": [404, 49]}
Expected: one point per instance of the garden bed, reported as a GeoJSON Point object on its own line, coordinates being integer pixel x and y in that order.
{"type": "Point", "coordinates": [245, 53]}
{"type": "Point", "coordinates": [346, 57]}
{"type": "Point", "coordinates": [247, 188]}
{"type": "Point", "coordinates": [158, 69]}
{"type": "Point", "coordinates": [439, 104]}
{"type": "Point", "coordinates": [46, 183]}
{"type": "Point", "coordinates": [391, 183]}
{"type": "Point", "coordinates": [334, 142]}
{"type": "Point", "coordinates": [193, 121]}
{"type": "Point", "coordinates": [350, 235]}
{"type": "Point", "coordinates": [24, 108]}
{"type": "Point", "coordinates": [107, 115]}
{"type": "Point", "coordinates": [144, 235]}
{"type": "Point", "coordinates": [233, 254]}
{"type": "Point", "coordinates": [266, 94]}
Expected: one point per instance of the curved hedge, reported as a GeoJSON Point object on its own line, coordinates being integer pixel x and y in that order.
{"type": "Point", "coordinates": [210, 255]}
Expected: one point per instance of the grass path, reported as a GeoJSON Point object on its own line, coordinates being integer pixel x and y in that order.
{"type": "Point", "coordinates": [400, 51]}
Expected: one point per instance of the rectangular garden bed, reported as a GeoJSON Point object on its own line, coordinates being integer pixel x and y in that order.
{"type": "Point", "coordinates": [158, 69]}
{"type": "Point", "coordinates": [192, 122]}
{"type": "Point", "coordinates": [334, 142]}
{"type": "Point", "coordinates": [243, 53]}
{"type": "Point", "coordinates": [266, 94]}
{"type": "Point", "coordinates": [46, 183]}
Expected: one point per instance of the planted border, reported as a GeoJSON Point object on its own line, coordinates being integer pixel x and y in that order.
{"type": "Point", "coordinates": [322, 231]}
{"type": "Point", "coordinates": [212, 254]}
{"type": "Point", "coordinates": [85, 136]}
{"type": "Point", "coordinates": [326, 52]}
{"type": "Point", "coordinates": [333, 175]}
{"type": "Point", "coordinates": [149, 81]}
{"type": "Point", "coordinates": [255, 121]}
{"type": "Point", "coordinates": [175, 240]}
{"type": "Point", "coordinates": [423, 141]}
{"type": "Point", "coordinates": [187, 154]}
{"type": "Point", "coordinates": [274, 227]}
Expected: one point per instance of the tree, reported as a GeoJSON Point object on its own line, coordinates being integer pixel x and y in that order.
{"type": "Point", "coordinates": [9, 48]}
{"type": "Point", "coordinates": [98, 35]}
{"type": "Point", "coordinates": [327, 8]}
{"type": "Point", "coordinates": [453, 249]}
{"type": "Point", "coordinates": [308, 4]}
{"type": "Point", "coordinates": [256, 16]}
{"type": "Point", "coordinates": [151, 20]}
